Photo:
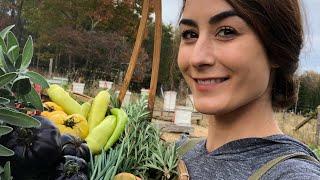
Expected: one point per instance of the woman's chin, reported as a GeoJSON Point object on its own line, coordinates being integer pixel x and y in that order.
{"type": "Point", "coordinates": [209, 110]}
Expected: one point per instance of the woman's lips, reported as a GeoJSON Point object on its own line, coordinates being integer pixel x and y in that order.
{"type": "Point", "coordinates": [209, 83]}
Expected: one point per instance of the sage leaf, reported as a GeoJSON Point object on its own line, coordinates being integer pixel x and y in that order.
{"type": "Point", "coordinates": [37, 78]}
{"type": "Point", "coordinates": [4, 100]}
{"type": "Point", "coordinates": [6, 78]}
{"type": "Point", "coordinates": [7, 171]}
{"type": "Point", "coordinates": [11, 42]}
{"type": "Point", "coordinates": [34, 98]}
{"type": "Point", "coordinates": [7, 64]}
{"type": "Point", "coordinates": [18, 62]}
{"type": "Point", "coordinates": [5, 31]}
{"type": "Point", "coordinates": [5, 130]}
{"type": "Point", "coordinates": [12, 48]}
{"type": "Point", "coordinates": [27, 53]}
{"type": "Point", "coordinates": [5, 151]}
{"type": "Point", "coordinates": [21, 85]}
{"type": "Point", "coordinates": [3, 45]}
{"type": "Point", "coordinates": [17, 118]}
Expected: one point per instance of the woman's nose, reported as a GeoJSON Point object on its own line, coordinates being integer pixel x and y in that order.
{"type": "Point", "coordinates": [203, 53]}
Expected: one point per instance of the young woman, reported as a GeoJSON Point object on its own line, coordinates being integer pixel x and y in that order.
{"type": "Point", "coordinates": [238, 58]}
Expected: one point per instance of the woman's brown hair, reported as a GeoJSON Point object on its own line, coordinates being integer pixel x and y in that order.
{"type": "Point", "coordinates": [278, 24]}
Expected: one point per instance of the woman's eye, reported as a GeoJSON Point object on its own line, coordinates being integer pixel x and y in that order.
{"type": "Point", "coordinates": [189, 35]}
{"type": "Point", "coordinates": [226, 33]}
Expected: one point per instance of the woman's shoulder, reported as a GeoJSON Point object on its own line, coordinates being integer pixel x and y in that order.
{"type": "Point", "coordinates": [294, 168]}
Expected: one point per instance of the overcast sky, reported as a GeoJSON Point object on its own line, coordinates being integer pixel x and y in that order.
{"type": "Point", "coordinates": [310, 56]}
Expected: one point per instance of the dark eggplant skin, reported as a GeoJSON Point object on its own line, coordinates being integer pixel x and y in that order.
{"type": "Point", "coordinates": [72, 168]}
{"type": "Point", "coordinates": [36, 150]}
{"type": "Point", "coordinates": [74, 146]}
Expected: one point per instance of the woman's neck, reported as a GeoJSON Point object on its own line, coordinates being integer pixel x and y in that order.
{"type": "Point", "coordinates": [252, 120]}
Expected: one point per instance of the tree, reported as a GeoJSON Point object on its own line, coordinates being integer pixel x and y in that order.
{"type": "Point", "coordinates": [169, 75]}
{"type": "Point", "coordinates": [309, 92]}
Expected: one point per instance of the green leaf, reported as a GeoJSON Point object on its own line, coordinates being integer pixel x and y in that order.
{"type": "Point", "coordinates": [6, 78]}
{"type": "Point", "coordinates": [17, 118]}
{"type": "Point", "coordinates": [37, 78]}
{"type": "Point", "coordinates": [7, 171]}
{"type": "Point", "coordinates": [1, 170]}
{"type": "Point", "coordinates": [1, 71]}
{"type": "Point", "coordinates": [21, 85]}
{"type": "Point", "coordinates": [27, 53]}
{"type": "Point", "coordinates": [18, 62]}
{"type": "Point", "coordinates": [34, 98]}
{"type": "Point", "coordinates": [12, 41]}
{"type": "Point", "coordinates": [1, 57]}
{"type": "Point", "coordinates": [5, 31]}
{"type": "Point", "coordinates": [5, 151]}
{"type": "Point", "coordinates": [5, 130]}
{"type": "Point", "coordinates": [12, 48]}
{"type": "Point", "coordinates": [7, 64]}
{"type": "Point", "coordinates": [4, 100]}
{"type": "Point", "coordinates": [3, 45]}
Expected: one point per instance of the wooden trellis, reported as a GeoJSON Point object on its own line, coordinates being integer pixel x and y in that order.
{"type": "Point", "coordinates": [136, 50]}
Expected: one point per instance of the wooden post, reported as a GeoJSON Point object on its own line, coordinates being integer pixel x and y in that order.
{"type": "Point", "coordinates": [50, 67]}
{"type": "Point", "coordinates": [136, 50]}
{"type": "Point", "coordinates": [318, 125]}
{"type": "Point", "coordinates": [156, 55]}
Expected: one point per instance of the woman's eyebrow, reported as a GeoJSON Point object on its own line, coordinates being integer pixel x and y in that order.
{"type": "Point", "coordinates": [213, 20]}
{"type": "Point", "coordinates": [188, 22]}
{"type": "Point", "coordinates": [221, 16]}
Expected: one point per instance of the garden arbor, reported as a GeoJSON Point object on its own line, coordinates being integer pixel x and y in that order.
{"type": "Point", "coordinates": [137, 46]}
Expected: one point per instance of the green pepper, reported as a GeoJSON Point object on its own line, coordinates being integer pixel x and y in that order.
{"type": "Point", "coordinates": [98, 109]}
{"type": "Point", "coordinates": [58, 95]}
{"type": "Point", "coordinates": [99, 136]}
{"type": "Point", "coordinates": [122, 120]}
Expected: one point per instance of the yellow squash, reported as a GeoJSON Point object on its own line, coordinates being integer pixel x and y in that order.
{"type": "Point", "coordinates": [100, 135]}
{"type": "Point", "coordinates": [85, 109]}
{"type": "Point", "coordinates": [61, 97]}
{"type": "Point", "coordinates": [98, 109]}
{"type": "Point", "coordinates": [74, 124]}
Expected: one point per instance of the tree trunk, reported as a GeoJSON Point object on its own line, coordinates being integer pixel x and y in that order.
{"type": "Point", "coordinates": [19, 22]}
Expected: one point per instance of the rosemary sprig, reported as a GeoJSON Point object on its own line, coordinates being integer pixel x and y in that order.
{"type": "Point", "coordinates": [140, 150]}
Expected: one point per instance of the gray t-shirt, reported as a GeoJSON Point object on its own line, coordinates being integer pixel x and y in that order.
{"type": "Point", "coordinates": [239, 159]}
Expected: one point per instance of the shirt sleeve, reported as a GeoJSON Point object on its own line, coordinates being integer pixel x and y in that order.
{"type": "Point", "coordinates": [294, 169]}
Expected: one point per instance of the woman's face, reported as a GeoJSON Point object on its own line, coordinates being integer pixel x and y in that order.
{"type": "Point", "coordinates": [221, 58]}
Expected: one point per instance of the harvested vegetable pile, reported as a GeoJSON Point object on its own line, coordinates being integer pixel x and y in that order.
{"type": "Point", "coordinates": [140, 150]}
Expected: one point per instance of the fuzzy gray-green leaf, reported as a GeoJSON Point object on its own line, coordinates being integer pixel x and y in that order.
{"type": "Point", "coordinates": [17, 118]}
{"type": "Point", "coordinates": [7, 64]}
{"type": "Point", "coordinates": [7, 171]}
{"type": "Point", "coordinates": [3, 45]}
{"type": "Point", "coordinates": [5, 151]}
{"type": "Point", "coordinates": [34, 98]}
{"type": "Point", "coordinates": [5, 130]}
{"type": "Point", "coordinates": [21, 85]}
{"type": "Point", "coordinates": [37, 78]}
{"type": "Point", "coordinates": [11, 42]}
{"type": "Point", "coordinates": [12, 48]}
{"type": "Point", "coordinates": [5, 31]}
{"type": "Point", "coordinates": [27, 53]}
{"type": "Point", "coordinates": [6, 78]}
